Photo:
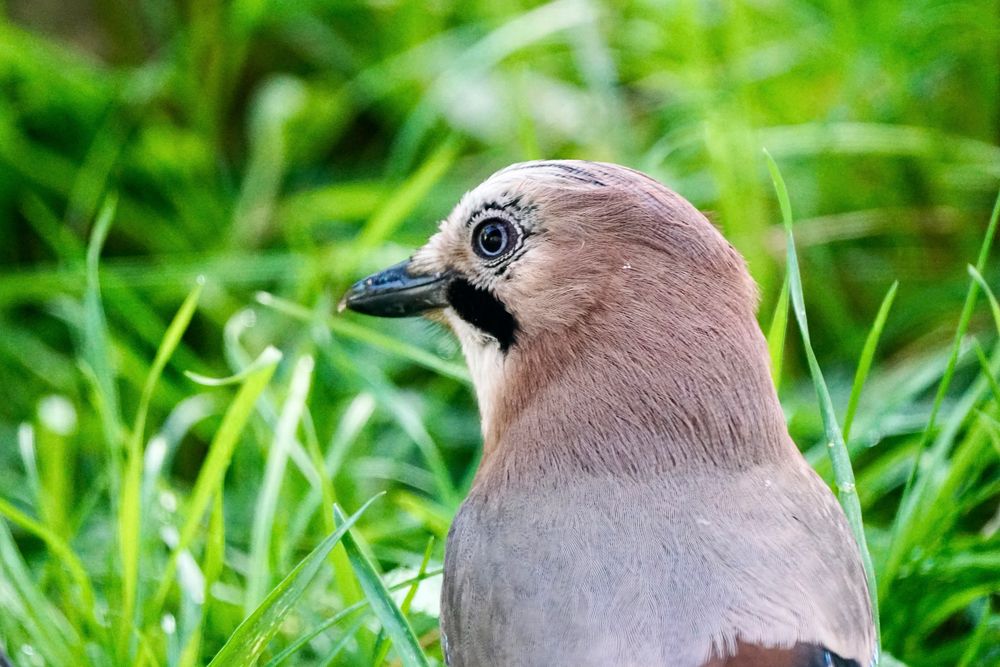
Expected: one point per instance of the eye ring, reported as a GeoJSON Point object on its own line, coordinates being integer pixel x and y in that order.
{"type": "Point", "coordinates": [493, 238]}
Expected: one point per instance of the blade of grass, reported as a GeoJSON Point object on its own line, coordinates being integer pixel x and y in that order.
{"type": "Point", "coordinates": [839, 456]}
{"type": "Point", "coordinates": [96, 348]}
{"type": "Point", "coordinates": [274, 471]}
{"type": "Point", "coordinates": [412, 592]}
{"type": "Point", "coordinates": [392, 619]}
{"type": "Point", "coordinates": [383, 650]}
{"type": "Point", "coordinates": [776, 335]}
{"type": "Point", "coordinates": [255, 632]}
{"type": "Point", "coordinates": [995, 309]}
{"type": "Point", "coordinates": [130, 506]}
{"type": "Point", "coordinates": [27, 449]}
{"type": "Point", "coordinates": [213, 469]}
{"type": "Point", "coordinates": [990, 297]}
{"type": "Point", "coordinates": [55, 456]}
{"type": "Point", "coordinates": [867, 355]}
{"type": "Point", "coordinates": [898, 541]}
{"type": "Point", "coordinates": [984, 364]}
{"type": "Point", "coordinates": [55, 459]}
{"type": "Point", "coordinates": [251, 368]}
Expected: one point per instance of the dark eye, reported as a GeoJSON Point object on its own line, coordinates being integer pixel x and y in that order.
{"type": "Point", "coordinates": [492, 238]}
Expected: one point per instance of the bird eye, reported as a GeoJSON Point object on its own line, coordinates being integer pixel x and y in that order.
{"type": "Point", "coordinates": [492, 238]}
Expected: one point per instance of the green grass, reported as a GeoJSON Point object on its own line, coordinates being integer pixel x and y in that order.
{"type": "Point", "coordinates": [186, 191]}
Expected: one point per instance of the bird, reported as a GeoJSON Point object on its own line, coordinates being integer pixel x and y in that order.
{"type": "Point", "coordinates": [639, 501]}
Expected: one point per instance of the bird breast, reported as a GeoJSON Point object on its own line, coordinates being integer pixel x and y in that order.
{"type": "Point", "coordinates": [667, 572]}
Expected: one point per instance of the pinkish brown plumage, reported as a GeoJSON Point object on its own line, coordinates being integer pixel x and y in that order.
{"type": "Point", "coordinates": [639, 501]}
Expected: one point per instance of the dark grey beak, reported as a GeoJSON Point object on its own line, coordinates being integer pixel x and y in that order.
{"type": "Point", "coordinates": [395, 292]}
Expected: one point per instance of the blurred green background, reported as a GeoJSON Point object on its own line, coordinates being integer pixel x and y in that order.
{"type": "Point", "coordinates": [282, 149]}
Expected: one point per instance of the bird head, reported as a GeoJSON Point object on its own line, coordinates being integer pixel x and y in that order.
{"type": "Point", "coordinates": [591, 279]}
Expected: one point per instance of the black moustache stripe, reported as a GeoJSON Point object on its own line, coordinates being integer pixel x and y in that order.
{"type": "Point", "coordinates": [484, 311]}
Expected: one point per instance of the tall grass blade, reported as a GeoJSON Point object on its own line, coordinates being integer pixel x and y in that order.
{"type": "Point", "coordinates": [96, 347]}
{"type": "Point", "coordinates": [867, 356]}
{"type": "Point", "coordinates": [839, 456]}
{"type": "Point", "coordinates": [990, 297]}
{"type": "Point", "coordinates": [984, 363]}
{"type": "Point", "coordinates": [130, 507]}
{"type": "Point", "coordinates": [776, 335]}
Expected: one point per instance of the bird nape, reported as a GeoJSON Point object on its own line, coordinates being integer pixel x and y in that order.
{"type": "Point", "coordinates": [639, 500]}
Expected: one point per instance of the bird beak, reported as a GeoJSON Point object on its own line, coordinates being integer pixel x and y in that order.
{"type": "Point", "coordinates": [395, 292]}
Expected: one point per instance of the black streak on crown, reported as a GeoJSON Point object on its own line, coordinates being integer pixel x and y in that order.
{"type": "Point", "coordinates": [483, 311]}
